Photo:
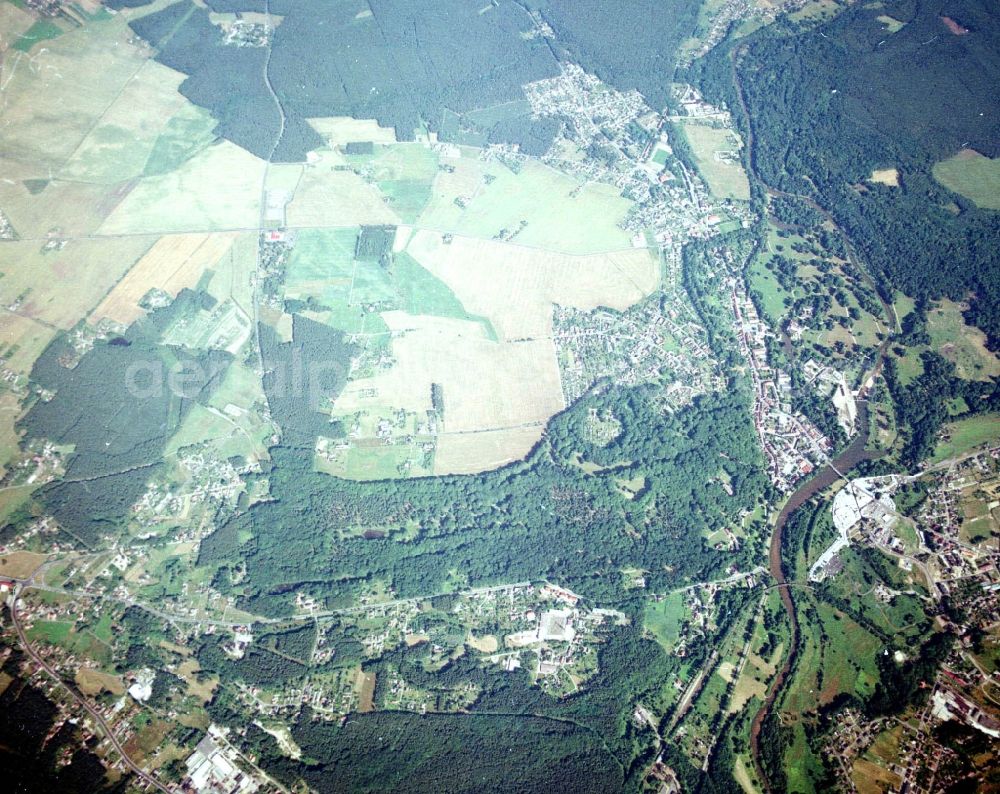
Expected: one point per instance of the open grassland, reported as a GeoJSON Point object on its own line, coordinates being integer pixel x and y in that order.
{"type": "Point", "coordinates": [202, 689]}
{"type": "Point", "coordinates": [173, 263]}
{"type": "Point", "coordinates": [902, 305]}
{"type": "Point", "coordinates": [486, 384]}
{"type": "Point", "coordinates": [468, 453]}
{"type": "Point", "coordinates": [404, 173]}
{"type": "Point", "coordinates": [663, 619]}
{"type": "Point", "coordinates": [544, 207]}
{"type": "Point", "coordinates": [328, 195]}
{"type": "Point", "coordinates": [61, 287]}
{"type": "Point", "coordinates": [772, 294]}
{"type": "Point", "coordinates": [525, 282]}
{"type": "Point", "coordinates": [54, 95]}
{"type": "Point", "coordinates": [217, 189]}
{"type": "Point", "coordinates": [490, 351]}
{"type": "Point", "coordinates": [966, 434]}
{"type": "Point", "coordinates": [322, 267]}
{"type": "Point", "coordinates": [972, 175]}
{"type": "Point", "coordinates": [200, 426]}
{"type": "Point", "coordinates": [22, 340]}
{"type": "Point", "coordinates": [14, 21]}
{"type": "Point", "coordinates": [241, 389]}
{"type": "Point", "coordinates": [886, 176]}
{"type": "Point", "coordinates": [10, 410]}
{"type": "Point", "coordinates": [717, 151]}
{"type": "Point", "coordinates": [232, 274]}
{"type": "Point", "coordinates": [845, 663]}
{"type": "Point", "coordinates": [65, 634]}
{"type": "Point", "coordinates": [120, 143]}
{"type": "Point", "coordinates": [963, 344]}
{"type": "Point", "coordinates": [92, 682]}
{"type": "Point", "coordinates": [892, 25]}
{"type": "Point", "coordinates": [60, 208]}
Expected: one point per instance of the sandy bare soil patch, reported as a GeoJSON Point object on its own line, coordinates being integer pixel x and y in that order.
{"type": "Point", "coordinates": [886, 176]}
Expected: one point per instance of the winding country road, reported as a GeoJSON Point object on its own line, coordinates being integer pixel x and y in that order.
{"type": "Point", "coordinates": [94, 714]}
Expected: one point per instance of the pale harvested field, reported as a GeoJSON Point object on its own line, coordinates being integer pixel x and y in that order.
{"type": "Point", "coordinates": [53, 96]}
{"type": "Point", "coordinates": [547, 208]}
{"type": "Point", "coordinates": [118, 146]}
{"type": "Point", "coordinates": [93, 682]}
{"type": "Point", "coordinates": [218, 188]}
{"type": "Point", "coordinates": [469, 453]}
{"type": "Point", "coordinates": [487, 385]}
{"type": "Point", "coordinates": [20, 564]}
{"type": "Point", "coordinates": [62, 287]}
{"type": "Point", "coordinates": [13, 22]}
{"type": "Point", "coordinates": [28, 336]}
{"type": "Point", "coordinates": [174, 262]}
{"type": "Point", "coordinates": [745, 689]}
{"type": "Point", "coordinates": [886, 176]}
{"type": "Point", "coordinates": [67, 209]}
{"type": "Point", "coordinates": [326, 197]}
{"type": "Point", "coordinates": [340, 130]}
{"type": "Point", "coordinates": [515, 286]}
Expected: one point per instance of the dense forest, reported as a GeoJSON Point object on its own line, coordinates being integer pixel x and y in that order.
{"type": "Point", "coordinates": [35, 754]}
{"type": "Point", "coordinates": [542, 518]}
{"type": "Point", "coordinates": [116, 407]}
{"type": "Point", "coordinates": [423, 66]}
{"type": "Point", "coordinates": [829, 105]}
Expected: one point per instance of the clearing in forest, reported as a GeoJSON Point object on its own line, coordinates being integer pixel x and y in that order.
{"type": "Point", "coordinates": [972, 175]}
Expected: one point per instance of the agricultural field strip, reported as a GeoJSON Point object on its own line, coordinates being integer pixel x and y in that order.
{"type": "Point", "coordinates": [236, 229]}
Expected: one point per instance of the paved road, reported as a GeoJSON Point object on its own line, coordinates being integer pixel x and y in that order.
{"type": "Point", "coordinates": [105, 728]}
